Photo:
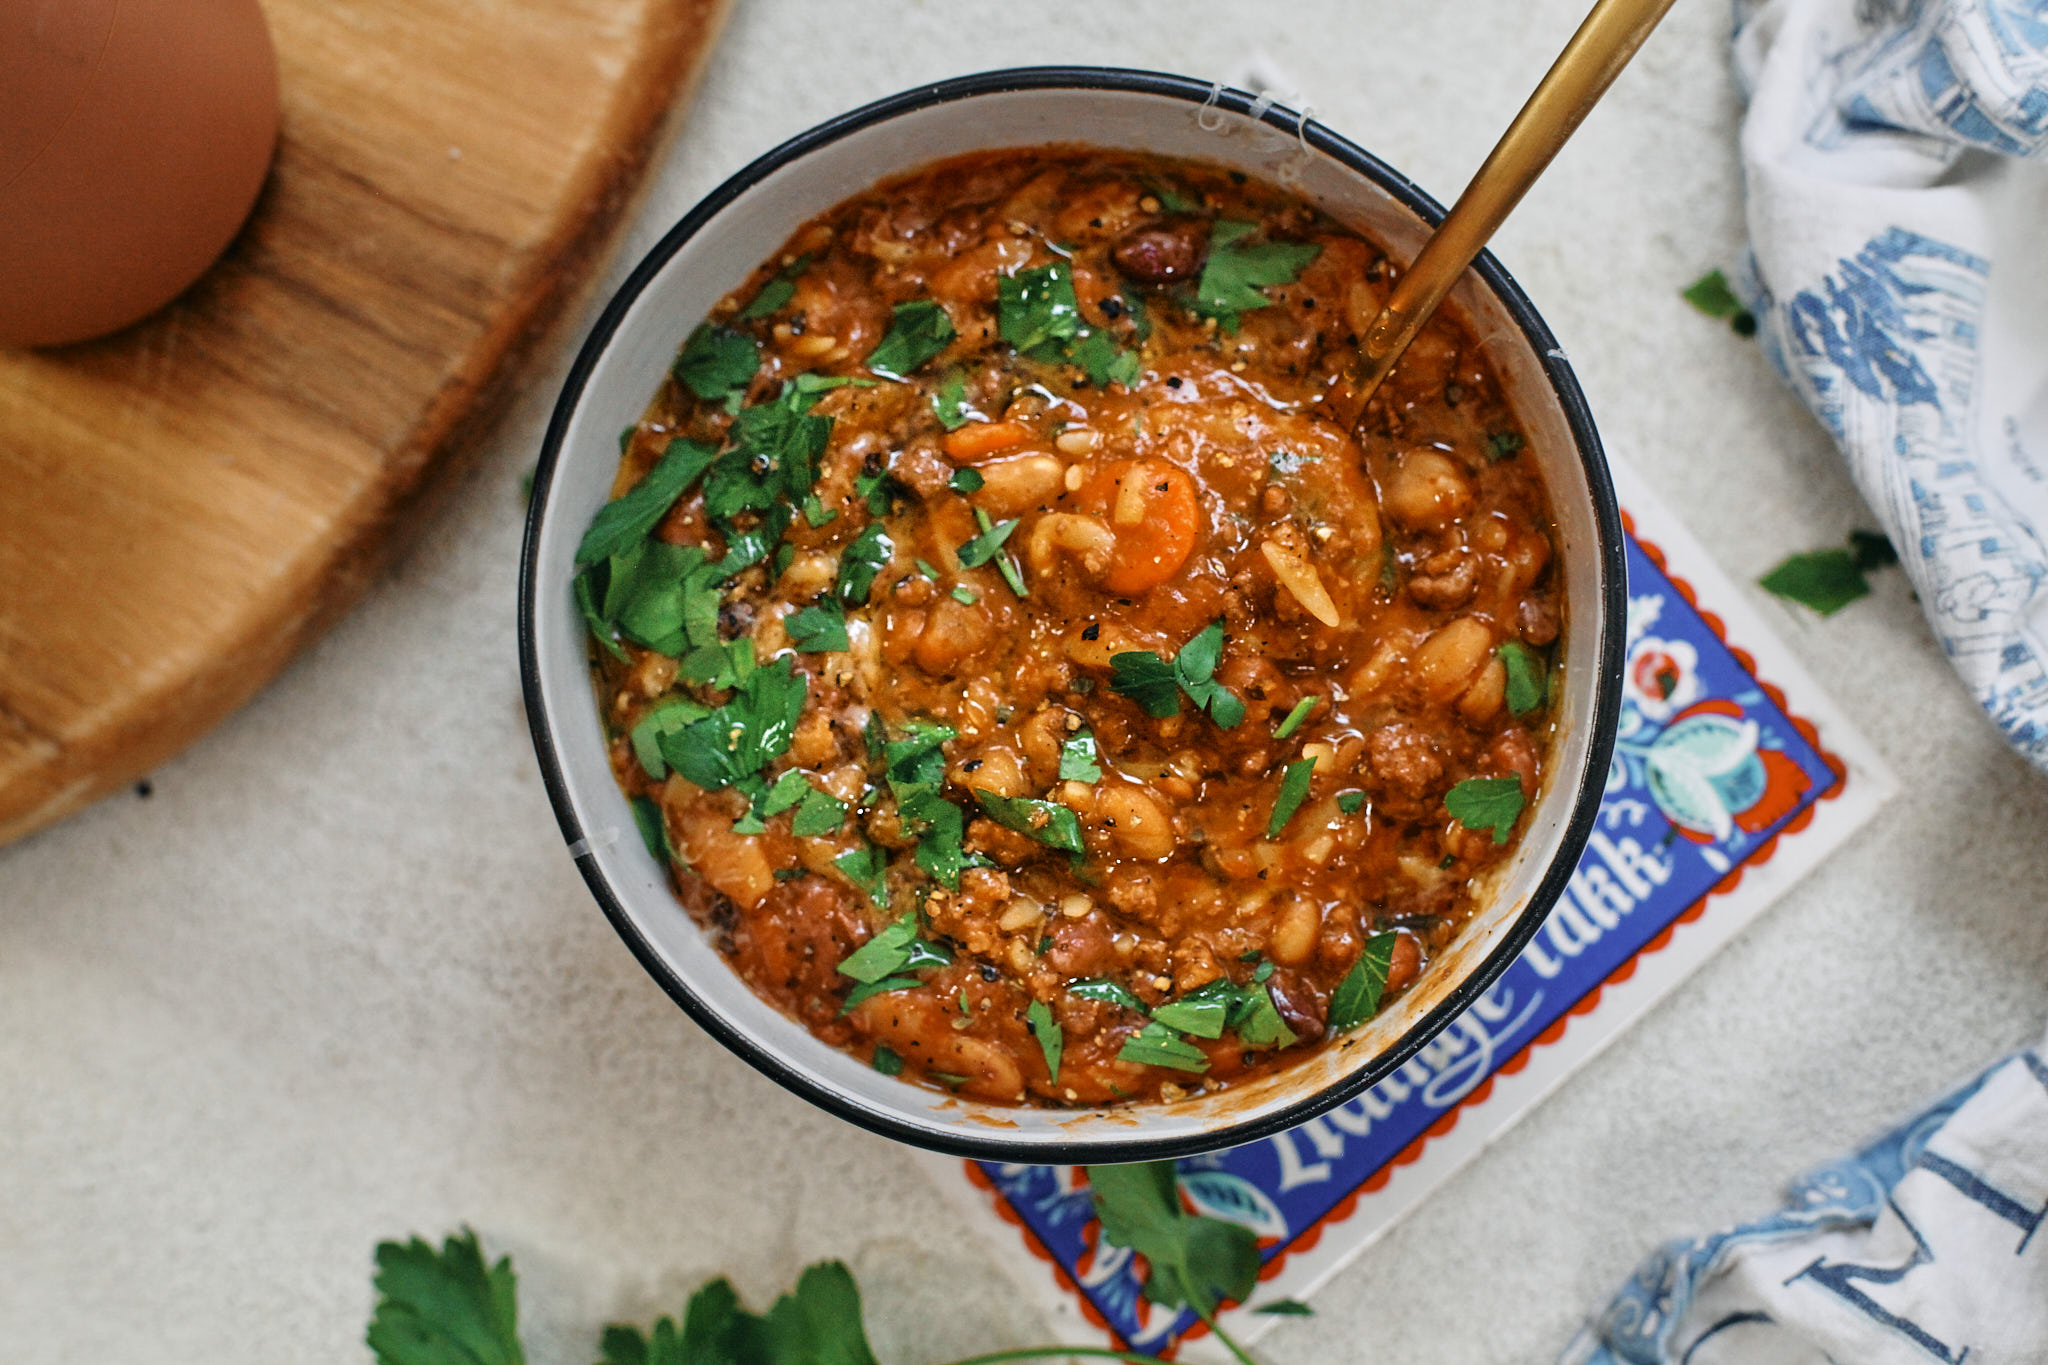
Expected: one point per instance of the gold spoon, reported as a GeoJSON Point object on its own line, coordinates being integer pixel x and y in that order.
{"type": "Point", "coordinates": [1569, 90]}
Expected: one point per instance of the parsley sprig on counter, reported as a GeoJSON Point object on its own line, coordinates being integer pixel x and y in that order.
{"type": "Point", "coordinates": [1157, 685]}
{"type": "Point", "coordinates": [451, 1307]}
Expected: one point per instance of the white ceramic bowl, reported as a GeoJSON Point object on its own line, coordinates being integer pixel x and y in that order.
{"type": "Point", "coordinates": [715, 247]}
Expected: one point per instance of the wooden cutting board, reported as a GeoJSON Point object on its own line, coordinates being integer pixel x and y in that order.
{"type": "Point", "coordinates": [187, 504]}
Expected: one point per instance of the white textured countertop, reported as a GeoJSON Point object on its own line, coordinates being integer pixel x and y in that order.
{"type": "Point", "coordinates": [337, 980]}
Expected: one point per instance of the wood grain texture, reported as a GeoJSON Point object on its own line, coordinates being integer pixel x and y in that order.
{"type": "Point", "coordinates": [190, 502]}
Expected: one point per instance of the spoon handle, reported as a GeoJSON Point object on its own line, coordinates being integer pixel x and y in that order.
{"type": "Point", "coordinates": [1574, 84]}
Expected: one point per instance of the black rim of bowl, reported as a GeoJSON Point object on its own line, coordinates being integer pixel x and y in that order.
{"type": "Point", "coordinates": [1607, 699]}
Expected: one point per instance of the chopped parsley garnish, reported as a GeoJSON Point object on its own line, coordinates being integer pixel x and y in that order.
{"type": "Point", "coordinates": [819, 814]}
{"type": "Point", "coordinates": [1295, 717]}
{"type": "Point", "coordinates": [1158, 1045]}
{"type": "Point", "coordinates": [1502, 444]}
{"type": "Point", "coordinates": [886, 1061]}
{"type": "Point", "coordinates": [982, 548]}
{"type": "Point", "coordinates": [867, 990]}
{"type": "Point", "coordinates": [733, 743]}
{"type": "Point", "coordinates": [963, 594]}
{"type": "Point", "coordinates": [949, 401]}
{"type": "Point", "coordinates": [818, 629]}
{"type": "Point", "coordinates": [1357, 997]}
{"type": "Point", "coordinates": [1106, 991]}
{"type": "Point", "coordinates": [1050, 824]}
{"type": "Point", "coordinates": [1046, 1030]}
{"type": "Point", "coordinates": [664, 596]}
{"type": "Point", "coordinates": [817, 513]}
{"type": "Point", "coordinates": [1105, 362]}
{"type": "Point", "coordinates": [664, 719]}
{"type": "Point", "coordinates": [787, 791]}
{"type": "Point", "coordinates": [1156, 685]}
{"type": "Point", "coordinates": [717, 362]}
{"type": "Point", "coordinates": [878, 491]}
{"type": "Point", "coordinates": [918, 330]}
{"type": "Point", "coordinates": [627, 519]}
{"type": "Point", "coordinates": [1828, 580]}
{"type": "Point", "coordinates": [966, 481]}
{"type": "Point", "coordinates": [1711, 294]}
{"type": "Point", "coordinates": [1141, 318]}
{"type": "Point", "coordinates": [896, 948]}
{"type": "Point", "coordinates": [1350, 802]}
{"type": "Point", "coordinates": [1237, 271]}
{"type": "Point", "coordinates": [864, 557]}
{"type": "Point", "coordinates": [1493, 803]}
{"type": "Point", "coordinates": [1527, 677]}
{"type": "Point", "coordinates": [653, 830]}
{"type": "Point", "coordinates": [1293, 787]}
{"type": "Point", "coordinates": [1247, 1010]}
{"type": "Point", "coordinates": [915, 769]}
{"type": "Point", "coordinates": [774, 296]}
{"type": "Point", "coordinates": [987, 546]}
{"type": "Point", "coordinates": [1079, 761]}
{"type": "Point", "coordinates": [1036, 308]}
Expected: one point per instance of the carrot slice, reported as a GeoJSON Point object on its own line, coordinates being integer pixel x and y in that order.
{"type": "Point", "coordinates": [1151, 547]}
{"type": "Point", "coordinates": [977, 439]}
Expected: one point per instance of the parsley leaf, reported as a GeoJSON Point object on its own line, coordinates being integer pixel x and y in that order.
{"type": "Point", "coordinates": [773, 298]}
{"type": "Point", "coordinates": [1050, 824]}
{"type": "Point", "coordinates": [664, 719]}
{"type": "Point", "coordinates": [1108, 991]}
{"type": "Point", "coordinates": [1493, 803]}
{"type": "Point", "coordinates": [867, 867]}
{"type": "Point", "coordinates": [884, 954]}
{"type": "Point", "coordinates": [819, 628]}
{"type": "Point", "coordinates": [1293, 787]}
{"type": "Point", "coordinates": [983, 547]}
{"type": "Point", "coordinates": [600, 629]}
{"type": "Point", "coordinates": [740, 738]}
{"type": "Point", "coordinates": [1103, 360]}
{"type": "Point", "coordinates": [1202, 1012]}
{"type": "Point", "coordinates": [820, 813]}
{"type": "Point", "coordinates": [1295, 717]}
{"type": "Point", "coordinates": [1286, 1308]}
{"type": "Point", "coordinates": [966, 481]}
{"type": "Point", "coordinates": [629, 517]}
{"type": "Point", "coordinates": [1711, 294]}
{"type": "Point", "coordinates": [1825, 580]}
{"type": "Point", "coordinates": [1037, 307]}
{"type": "Point", "coordinates": [1158, 1045]}
{"type": "Point", "coordinates": [1357, 997]}
{"type": "Point", "coordinates": [950, 399]}
{"type": "Point", "coordinates": [1236, 272]}
{"type": "Point", "coordinates": [1046, 1029]}
{"type": "Point", "coordinates": [1079, 761]}
{"type": "Point", "coordinates": [870, 989]}
{"type": "Point", "coordinates": [653, 830]}
{"type": "Point", "coordinates": [1146, 679]}
{"type": "Point", "coordinates": [918, 330]}
{"type": "Point", "coordinates": [447, 1306]}
{"type": "Point", "coordinates": [1195, 1261]}
{"type": "Point", "coordinates": [1350, 802]}
{"type": "Point", "coordinates": [886, 1060]}
{"type": "Point", "coordinates": [1527, 677]}
{"type": "Point", "coordinates": [664, 596]}
{"type": "Point", "coordinates": [717, 361]}
{"type": "Point", "coordinates": [1151, 682]}
{"type": "Point", "coordinates": [864, 557]}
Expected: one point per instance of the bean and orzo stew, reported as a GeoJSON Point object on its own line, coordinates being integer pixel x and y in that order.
{"type": "Point", "coordinates": [1032, 685]}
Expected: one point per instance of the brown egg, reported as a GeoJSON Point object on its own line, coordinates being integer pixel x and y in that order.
{"type": "Point", "coordinates": [134, 135]}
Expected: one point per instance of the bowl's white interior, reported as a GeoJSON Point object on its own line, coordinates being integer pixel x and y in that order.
{"type": "Point", "coordinates": [723, 253]}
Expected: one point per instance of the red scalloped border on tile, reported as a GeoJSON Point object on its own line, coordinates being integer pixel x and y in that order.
{"type": "Point", "coordinates": [1309, 1236]}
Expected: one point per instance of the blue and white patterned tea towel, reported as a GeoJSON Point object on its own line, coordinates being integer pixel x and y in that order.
{"type": "Point", "coordinates": [1896, 153]}
{"type": "Point", "coordinates": [1925, 1247]}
